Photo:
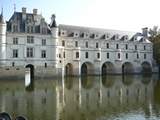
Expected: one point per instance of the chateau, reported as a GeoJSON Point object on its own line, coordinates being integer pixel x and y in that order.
{"type": "Point", "coordinates": [27, 40]}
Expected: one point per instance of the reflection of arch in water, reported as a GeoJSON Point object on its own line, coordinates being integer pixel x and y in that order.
{"type": "Point", "coordinates": [87, 68]}
{"type": "Point", "coordinates": [69, 69]}
{"type": "Point", "coordinates": [146, 79]}
{"type": "Point", "coordinates": [146, 67]}
{"type": "Point", "coordinates": [108, 81]}
{"type": "Point", "coordinates": [127, 68]}
{"type": "Point", "coordinates": [127, 79]}
{"type": "Point", "coordinates": [68, 82]}
{"type": "Point", "coordinates": [87, 82]}
{"type": "Point", "coordinates": [108, 68]}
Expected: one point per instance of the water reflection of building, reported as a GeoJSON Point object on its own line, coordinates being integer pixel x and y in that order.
{"type": "Point", "coordinates": [76, 98]}
{"type": "Point", "coordinates": [38, 104]}
{"type": "Point", "coordinates": [93, 97]}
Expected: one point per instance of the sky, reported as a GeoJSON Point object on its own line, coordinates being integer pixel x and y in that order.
{"type": "Point", "coordinates": [128, 15]}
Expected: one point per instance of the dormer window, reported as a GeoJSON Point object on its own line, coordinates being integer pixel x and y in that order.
{"type": "Point", "coordinates": [76, 34]}
{"type": "Point", "coordinates": [29, 29]}
{"type": "Point", "coordinates": [44, 30]}
{"type": "Point", "coordinates": [107, 35]}
{"type": "Point", "coordinates": [116, 37]}
{"type": "Point", "coordinates": [126, 37]}
{"type": "Point", "coordinates": [15, 28]}
{"type": "Point", "coordinates": [92, 35]}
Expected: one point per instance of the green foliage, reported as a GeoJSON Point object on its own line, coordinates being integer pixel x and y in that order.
{"type": "Point", "coordinates": [156, 48]}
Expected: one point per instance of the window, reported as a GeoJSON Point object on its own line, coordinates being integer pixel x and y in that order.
{"type": "Point", "coordinates": [63, 43]}
{"type": "Point", "coordinates": [126, 47]}
{"type": "Point", "coordinates": [98, 55]}
{"type": "Point", "coordinates": [44, 31]}
{"type": "Point", "coordinates": [137, 56]}
{"type": "Point", "coordinates": [107, 45]}
{"type": "Point", "coordinates": [144, 47]}
{"type": "Point", "coordinates": [126, 55]}
{"type": "Point", "coordinates": [86, 54]}
{"type": "Point", "coordinates": [135, 47]}
{"type": "Point", "coordinates": [117, 46]}
{"type": "Point", "coordinates": [77, 54]}
{"type": "Point", "coordinates": [59, 55]}
{"type": "Point", "coordinates": [15, 28]}
{"type": "Point", "coordinates": [29, 52]}
{"type": "Point", "coordinates": [43, 54]}
{"type": "Point", "coordinates": [119, 56]}
{"type": "Point", "coordinates": [15, 53]}
{"type": "Point", "coordinates": [107, 55]}
{"type": "Point", "coordinates": [64, 54]}
{"type": "Point", "coordinates": [29, 29]}
{"type": "Point", "coordinates": [97, 45]}
{"type": "Point", "coordinates": [15, 40]}
{"type": "Point", "coordinates": [45, 65]}
{"type": "Point", "coordinates": [145, 56]}
{"type": "Point", "coordinates": [13, 64]}
{"type": "Point", "coordinates": [76, 43]}
{"type": "Point", "coordinates": [30, 39]}
{"type": "Point", "coordinates": [86, 44]}
{"type": "Point", "coordinates": [43, 41]}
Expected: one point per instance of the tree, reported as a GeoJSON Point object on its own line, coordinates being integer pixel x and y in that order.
{"type": "Point", "coordinates": [156, 48]}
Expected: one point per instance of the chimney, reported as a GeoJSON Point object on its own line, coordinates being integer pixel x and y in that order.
{"type": "Point", "coordinates": [35, 11]}
{"type": "Point", "coordinates": [145, 32]}
{"type": "Point", "coordinates": [23, 10]}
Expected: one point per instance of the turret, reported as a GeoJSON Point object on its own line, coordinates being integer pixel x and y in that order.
{"type": "Point", "coordinates": [2, 38]}
{"type": "Point", "coordinates": [53, 26]}
{"type": "Point", "coordinates": [54, 32]}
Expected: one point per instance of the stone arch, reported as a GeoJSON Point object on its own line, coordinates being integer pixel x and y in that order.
{"type": "Point", "coordinates": [127, 68]}
{"type": "Point", "coordinates": [31, 70]}
{"type": "Point", "coordinates": [107, 68]}
{"type": "Point", "coordinates": [87, 68]}
{"type": "Point", "coordinates": [29, 77]}
{"type": "Point", "coordinates": [69, 69]}
{"type": "Point", "coordinates": [146, 67]}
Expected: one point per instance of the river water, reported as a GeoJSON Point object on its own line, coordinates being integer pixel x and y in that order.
{"type": "Point", "coordinates": [83, 98]}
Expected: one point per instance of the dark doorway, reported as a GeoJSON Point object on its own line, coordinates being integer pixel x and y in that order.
{"type": "Point", "coordinates": [69, 69]}
{"type": "Point", "coordinates": [30, 87]}
{"type": "Point", "coordinates": [127, 68]}
{"type": "Point", "coordinates": [31, 70]}
{"type": "Point", "coordinates": [146, 68]}
{"type": "Point", "coordinates": [104, 69]}
{"type": "Point", "coordinates": [84, 69]}
{"type": "Point", "coordinates": [108, 68]}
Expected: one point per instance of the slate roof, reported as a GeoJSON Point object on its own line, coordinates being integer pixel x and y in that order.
{"type": "Point", "coordinates": [121, 34]}
{"type": "Point", "coordinates": [17, 18]}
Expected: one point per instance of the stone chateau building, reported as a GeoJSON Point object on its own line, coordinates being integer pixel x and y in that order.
{"type": "Point", "coordinates": [27, 40]}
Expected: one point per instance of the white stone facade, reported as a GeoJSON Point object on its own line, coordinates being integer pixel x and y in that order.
{"type": "Point", "coordinates": [110, 48]}
{"type": "Point", "coordinates": [26, 39]}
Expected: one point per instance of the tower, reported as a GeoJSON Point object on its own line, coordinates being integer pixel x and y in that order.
{"type": "Point", "coordinates": [54, 32]}
{"type": "Point", "coordinates": [2, 39]}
